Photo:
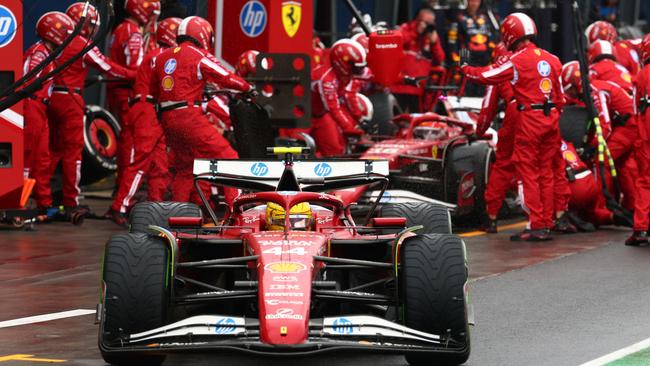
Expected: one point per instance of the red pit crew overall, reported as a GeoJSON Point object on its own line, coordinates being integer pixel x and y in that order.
{"type": "Point", "coordinates": [642, 150]}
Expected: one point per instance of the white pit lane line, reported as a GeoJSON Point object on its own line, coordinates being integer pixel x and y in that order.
{"type": "Point", "coordinates": [45, 317]}
{"type": "Point", "coordinates": [617, 355]}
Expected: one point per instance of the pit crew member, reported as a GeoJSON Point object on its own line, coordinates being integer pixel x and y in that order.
{"type": "Point", "coordinates": [603, 65]}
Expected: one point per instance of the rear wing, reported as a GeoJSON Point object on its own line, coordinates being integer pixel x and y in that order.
{"type": "Point", "coordinates": [271, 170]}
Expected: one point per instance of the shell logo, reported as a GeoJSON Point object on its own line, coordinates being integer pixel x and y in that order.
{"type": "Point", "coordinates": [285, 267]}
{"type": "Point", "coordinates": [167, 83]}
{"type": "Point", "coordinates": [545, 85]}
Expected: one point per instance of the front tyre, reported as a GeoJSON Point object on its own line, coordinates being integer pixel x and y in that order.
{"type": "Point", "coordinates": [137, 292]}
{"type": "Point", "coordinates": [435, 219]}
{"type": "Point", "coordinates": [432, 283]}
{"type": "Point", "coordinates": [144, 214]}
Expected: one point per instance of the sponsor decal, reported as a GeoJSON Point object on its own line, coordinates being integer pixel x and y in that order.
{"type": "Point", "coordinates": [544, 68]}
{"type": "Point", "coordinates": [284, 313]}
{"type": "Point", "coordinates": [545, 85]}
{"type": "Point", "coordinates": [434, 151]}
{"type": "Point", "coordinates": [285, 267]}
{"type": "Point", "coordinates": [225, 326]}
{"type": "Point", "coordinates": [170, 66]}
{"type": "Point", "coordinates": [569, 156]}
{"type": "Point", "coordinates": [251, 219]}
{"type": "Point", "coordinates": [253, 18]}
{"type": "Point", "coordinates": [387, 45]}
{"type": "Point", "coordinates": [386, 197]}
{"type": "Point", "coordinates": [283, 278]}
{"type": "Point", "coordinates": [287, 193]}
{"type": "Point", "coordinates": [291, 16]}
{"type": "Point", "coordinates": [284, 286]}
{"type": "Point", "coordinates": [284, 294]}
{"type": "Point", "coordinates": [324, 220]}
{"type": "Point", "coordinates": [279, 251]}
{"type": "Point", "coordinates": [259, 169]}
{"type": "Point", "coordinates": [343, 326]}
{"type": "Point", "coordinates": [8, 26]}
{"type": "Point", "coordinates": [275, 302]}
{"type": "Point", "coordinates": [167, 83]}
{"type": "Point", "coordinates": [322, 169]}
{"type": "Point", "coordinates": [296, 243]}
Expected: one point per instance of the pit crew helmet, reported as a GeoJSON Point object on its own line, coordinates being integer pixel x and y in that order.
{"type": "Point", "coordinates": [644, 49]}
{"type": "Point", "coordinates": [571, 77]}
{"type": "Point", "coordinates": [92, 23]}
{"type": "Point", "coordinates": [601, 30]}
{"type": "Point", "coordinates": [363, 105]}
{"type": "Point", "coordinates": [246, 63]}
{"type": "Point", "coordinates": [300, 216]}
{"type": "Point", "coordinates": [143, 11]}
{"type": "Point", "coordinates": [500, 53]}
{"type": "Point", "coordinates": [54, 27]}
{"type": "Point", "coordinates": [198, 31]}
{"type": "Point", "coordinates": [600, 50]}
{"type": "Point", "coordinates": [363, 40]}
{"type": "Point", "coordinates": [348, 57]}
{"type": "Point", "coordinates": [515, 28]}
{"type": "Point", "coordinates": [430, 131]}
{"type": "Point", "coordinates": [167, 31]}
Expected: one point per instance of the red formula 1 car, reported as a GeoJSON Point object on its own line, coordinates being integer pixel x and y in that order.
{"type": "Point", "coordinates": [433, 159]}
{"type": "Point", "coordinates": [287, 271]}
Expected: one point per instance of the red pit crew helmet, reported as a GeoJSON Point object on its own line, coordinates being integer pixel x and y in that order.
{"type": "Point", "coordinates": [197, 29]}
{"type": "Point", "coordinates": [516, 27]}
{"type": "Point", "coordinates": [245, 65]}
{"type": "Point", "coordinates": [363, 40]}
{"type": "Point", "coordinates": [363, 106]}
{"type": "Point", "coordinates": [348, 57]}
{"type": "Point", "coordinates": [142, 10]}
{"type": "Point", "coordinates": [644, 49]}
{"type": "Point", "coordinates": [167, 31]}
{"type": "Point", "coordinates": [600, 50]}
{"type": "Point", "coordinates": [601, 30]}
{"type": "Point", "coordinates": [571, 76]}
{"type": "Point", "coordinates": [500, 53]}
{"type": "Point", "coordinates": [75, 11]}
{"type": "Point", "coordinates": [54, 27]}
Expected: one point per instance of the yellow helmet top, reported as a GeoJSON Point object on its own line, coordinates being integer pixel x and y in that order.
{"type": "Point", "coordinates": [300, 217]}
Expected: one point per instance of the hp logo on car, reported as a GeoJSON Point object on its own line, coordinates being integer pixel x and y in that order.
{"type": "Point", "coordinates": [323, 169]}
{"type": "Point", "coordinates": [342, 326]}
{"type": "Point", "coordinates": [8, 26]}
{"type": "Point", "coordinates": [259, 169]}
{"type": "Point", "coordinates": [252, 18]}
{"type": "Point", "coordinates": [225, 326]}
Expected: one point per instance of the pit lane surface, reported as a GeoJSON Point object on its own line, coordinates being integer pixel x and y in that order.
{"type": "Point", "coordinates": [535, 304]}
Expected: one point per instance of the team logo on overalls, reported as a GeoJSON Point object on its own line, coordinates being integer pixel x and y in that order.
{"type": "Point", "coordinates": [252, 18]}
{"type": "Point", "coordinates": [544, 68]}
{"type": "Point", "coordinates": [168, 83]}
{"type": "Point", "coordinates": [291, 15]}
{"type": "Point", "coordinates": [170, 66]}
{"type": "Point", "coordinates": [8, 26]}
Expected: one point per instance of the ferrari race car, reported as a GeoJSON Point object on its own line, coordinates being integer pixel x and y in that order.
{"type": "Point", "coordinates": [286, 271]}
{"type": "Point", "coordinates": [434, 159]}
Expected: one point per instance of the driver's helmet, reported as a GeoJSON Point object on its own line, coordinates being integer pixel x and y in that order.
{"type": "Point", "coordinates": [300, 217]}
{"type": "Point", "coordinates": [431, 131]}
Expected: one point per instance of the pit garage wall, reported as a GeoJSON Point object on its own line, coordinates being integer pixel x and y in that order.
{"type": "Point", "coordinates": [261, 25]}
{"type": "Point", "coordinates": [11, 119]}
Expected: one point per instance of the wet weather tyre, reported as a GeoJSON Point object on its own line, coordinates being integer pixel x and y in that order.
{"type": "Point", "coordinates": [385, 107]}
{"type": "Point", "coordinates": [253, 132]}
{"type": "Point", "coordinates": [144, 214]}
{"type": "Point", "coordinates": [99, 159]}
{"type": "Point", "coordinates": [434, 218]}
{"type": "Point", "coordinates": [137, 293]}
{"type": "Point", "coordinates": [432, 279]}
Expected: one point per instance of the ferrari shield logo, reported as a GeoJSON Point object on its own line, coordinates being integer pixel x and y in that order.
{"type": "Point", "coordinates": [291, 15]}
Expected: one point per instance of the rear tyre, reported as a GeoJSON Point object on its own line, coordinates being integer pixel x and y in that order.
{"type": "Point", "coordinates": [385, 107]}
{"type": "Point", "coordinates": [136, 292]}
{"type": "Point", "coordinates": [101, 131]}
{"type": "Point", "coordinates": [144, 214]}
{"type": "Point", "coordinates": [432, 284]}
{"type": "Point", "coordinates": [434, 218]}
{"type": "Point", "coordinates": [253, 132]}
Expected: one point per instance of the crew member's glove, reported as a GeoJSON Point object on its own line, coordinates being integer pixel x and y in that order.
{"type": "Point", "coordinates": [464, 57]}
{"type": "Point", "coordinates": [251, 94]}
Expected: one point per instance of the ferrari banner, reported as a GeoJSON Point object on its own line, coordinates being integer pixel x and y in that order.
{"type": "Point", "coordinates": [291, 15]}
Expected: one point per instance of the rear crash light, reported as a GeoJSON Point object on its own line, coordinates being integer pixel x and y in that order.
{"type": "Point", "coordinates": [388, 222]}
{"type": "Point", "coordinates": [185, 221]}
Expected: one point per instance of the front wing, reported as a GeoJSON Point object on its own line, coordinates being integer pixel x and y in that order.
{"type": "Point", "coordinates": [222, 333]}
